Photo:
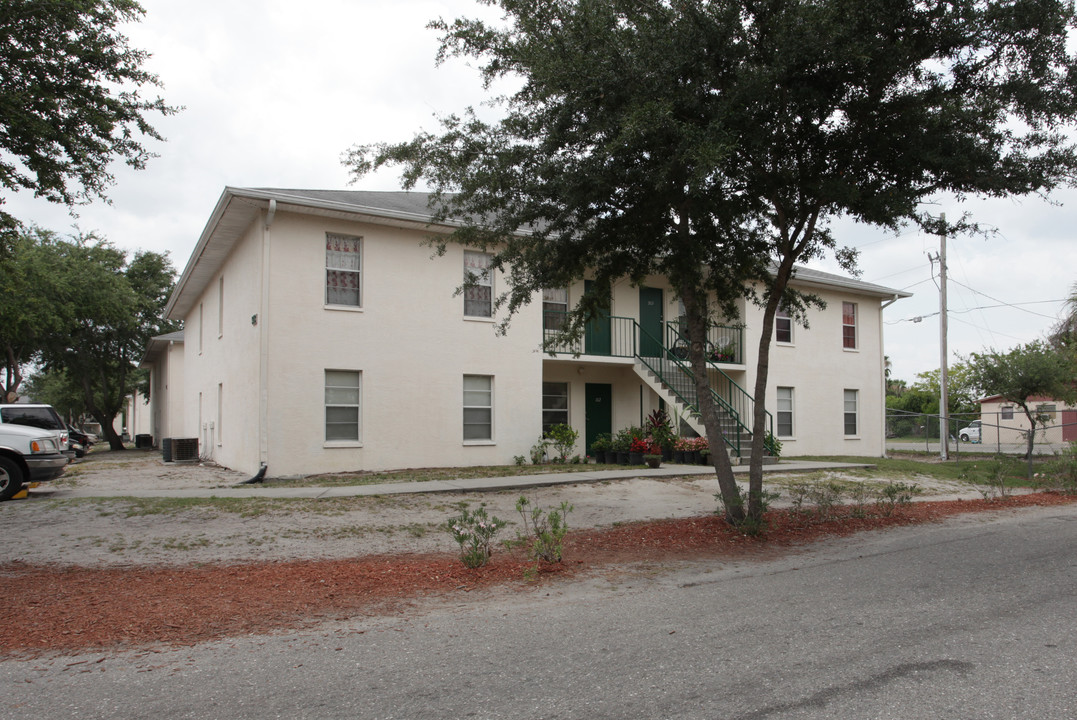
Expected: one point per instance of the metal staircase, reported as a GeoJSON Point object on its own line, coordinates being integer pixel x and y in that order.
{"type": "Point", "coordinates": [671, 377]}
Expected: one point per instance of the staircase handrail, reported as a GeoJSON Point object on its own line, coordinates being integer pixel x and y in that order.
{"type": "Point", "coordinates": [733, 443]}
{"type": "Point", "coordinates": [735, 388]}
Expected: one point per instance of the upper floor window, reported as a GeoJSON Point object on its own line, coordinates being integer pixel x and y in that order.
{"type": "Point", "coordinates": [478, 285]}
{"type": "Point", "coordinates": [848, 325]}
{"type": "Point", "coordinates": [220, 306]}
{"type": "Point", "coordinates": [783, 326]}
{"type": "Point", "coordinates": [343, 270]}
{"type": "Point", "coordinates": [554, 308]}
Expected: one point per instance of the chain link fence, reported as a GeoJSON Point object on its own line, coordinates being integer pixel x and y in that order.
{"type": "Point", "coordinates": [1002, 433]}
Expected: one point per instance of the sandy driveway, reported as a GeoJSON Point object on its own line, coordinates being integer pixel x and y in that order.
{"type": "Point", "coordinates": [52, 526]}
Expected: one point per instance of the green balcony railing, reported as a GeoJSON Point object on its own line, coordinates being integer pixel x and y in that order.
{"type": "Point", "coordinates": [667, 358]}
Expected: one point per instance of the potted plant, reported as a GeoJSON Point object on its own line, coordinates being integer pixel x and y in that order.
{"type": "Point", "coordinates": [660, 430]}
{"type": "Point", "coordinates": [620, 445]}
{"type": "Point", "coordinates": [680, 447]}
{"type": "Point", "coordinates": [653, 460]}
{"type": "Point", "coordinates": [636, 450]}
{"type": "Point", "coordinates": [601, 447]}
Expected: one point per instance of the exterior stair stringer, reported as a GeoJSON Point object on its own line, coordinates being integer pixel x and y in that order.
{"type": "Point", "coordinates": [688, 414]}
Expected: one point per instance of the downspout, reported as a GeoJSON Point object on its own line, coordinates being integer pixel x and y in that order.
{"type": "Point", "coordinates": [263, 338]}
{"type": "Point", "coordinates": [882, 360]}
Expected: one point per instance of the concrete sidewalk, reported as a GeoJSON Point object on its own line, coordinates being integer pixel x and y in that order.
{"type": "Point", "coordinates": [461, 485]}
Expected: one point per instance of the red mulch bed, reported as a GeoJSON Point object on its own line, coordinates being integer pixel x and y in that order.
{"type": "Point", "coordinates": [76, 608]}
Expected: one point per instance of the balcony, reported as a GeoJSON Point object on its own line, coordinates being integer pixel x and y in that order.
{"type": "Point", "coordinates": [622, 337]}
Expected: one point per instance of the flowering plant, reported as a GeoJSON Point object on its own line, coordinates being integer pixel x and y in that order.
{"type": "Point", "coordinates": [684, 444]}
{"type": "Point", "coordinates": [474, 532]}
{"type": "Point", "coordinates": [699, 444]}
{"type": "Point", "coordinates": [639, 445]}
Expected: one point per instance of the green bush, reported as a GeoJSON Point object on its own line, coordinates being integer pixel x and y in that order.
{"type": "Point", "coordinates": [544, 530]}
{"type": "Point", "coordinates": [563, 438]}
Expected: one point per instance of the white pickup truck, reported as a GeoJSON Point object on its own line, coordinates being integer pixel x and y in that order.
{"type": "Point", "coordinates": [28, 454]}
{"type": "Point", "coordinates": [971, 433]}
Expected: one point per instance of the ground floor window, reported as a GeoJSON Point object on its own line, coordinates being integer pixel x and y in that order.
{"type": "Point", "coordinates": [554, 404]}
{"type": "Point", "coordinates": [478, 407]}
{"type": "Point", "coordinates": [342, 394]}
{"type": "Point", "coordinates": [851, 401]}
{"type": "Point", "coordinates": [785, 412]}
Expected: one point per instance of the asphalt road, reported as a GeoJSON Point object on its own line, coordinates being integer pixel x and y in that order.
{"type": "Point", "coordinates": [974, 618]}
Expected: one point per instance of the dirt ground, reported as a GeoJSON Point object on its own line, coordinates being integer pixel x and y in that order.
{"type": "Point", "coordinates": [78, 520]}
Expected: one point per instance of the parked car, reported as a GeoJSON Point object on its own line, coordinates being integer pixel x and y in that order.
{"type": "Point", "coordinates": [27, 454]}
{"type": "Point", "coordinates": [39, 416]}
{"type": "Point", "coordinates": [970, 433]}
{"type": "Point", "coordinates": [81, 442]}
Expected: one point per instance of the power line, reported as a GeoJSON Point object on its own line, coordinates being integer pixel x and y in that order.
{"type": "Point", "coordinates": [1013, 305]}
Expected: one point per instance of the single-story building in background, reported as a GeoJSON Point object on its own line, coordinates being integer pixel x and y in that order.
{"type": "Point", "coordinates": [1003, 422]}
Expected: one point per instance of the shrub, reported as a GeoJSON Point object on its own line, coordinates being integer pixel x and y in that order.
{"type": "Point", "coordinates": [474, 532]}
{"type": "Point", "coordinates": [563, 438]}
{"type": "Point", "coordinates": [544, 530]}
{"type": "Point", "coordinates": [894, 494]}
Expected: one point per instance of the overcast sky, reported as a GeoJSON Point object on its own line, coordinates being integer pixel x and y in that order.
{"type": "Point", "coordinates": [274, 92]}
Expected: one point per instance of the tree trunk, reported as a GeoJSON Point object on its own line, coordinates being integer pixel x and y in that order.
{"type": "Point", "coordinates": [696, 316]}
{"type": "Point", "coordinates": [762, 372]}
{"type": "Point", "coordinates": [1031, 439]}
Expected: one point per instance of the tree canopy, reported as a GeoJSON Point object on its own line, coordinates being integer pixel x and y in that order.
{"type": "Point", "coordinates": [95, 310]}
{"type": "Point", "coordinates": [714, 142]}
{"type": "Point", "coordinates": [70, 99]}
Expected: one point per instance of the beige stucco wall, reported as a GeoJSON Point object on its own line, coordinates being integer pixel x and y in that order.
{"type": "Point", "coordinates": [267, 353]}
{"type": "Point", "coordinates": [411, 343]}
{"type": "Point", "coordinates": [166, 395]}
{"type": "Point", "coordinates": [818, 368]}
{"type": "Point", "coordinates": [221, 360]}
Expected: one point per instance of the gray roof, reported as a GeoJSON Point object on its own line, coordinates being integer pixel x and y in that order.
{"type": "Point", "coordinates": [237, 208]}
{"type": "Point", "coordinates": [157, 345]}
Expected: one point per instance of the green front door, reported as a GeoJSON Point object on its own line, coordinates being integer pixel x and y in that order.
{"type": "Point", "coordinates": [598, 411]}
{"type": "Point", "coordinates": [650, 322]}
{"type": "Point", "coordinates": [597, 336]}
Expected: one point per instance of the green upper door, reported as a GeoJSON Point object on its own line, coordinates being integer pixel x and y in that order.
{"type": "Point", "coordinates": [597, 336]}
{"type": "Point", "coordinates": [650, 321]}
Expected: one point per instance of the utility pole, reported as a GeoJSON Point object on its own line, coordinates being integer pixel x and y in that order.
{"type": "Point", "coordinates": [944, 405]}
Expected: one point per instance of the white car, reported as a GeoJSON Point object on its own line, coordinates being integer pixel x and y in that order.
{"type": "Point", "coordinates": [970, 433]}
{"type": "Point", "coordinates": [27, 454]}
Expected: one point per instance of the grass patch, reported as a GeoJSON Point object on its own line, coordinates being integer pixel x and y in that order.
{"type": "Point", "coordinates": [203, 507]}
{"type": "Point", "coordinates": [431, 474]}
{"type": "Point", "coordinates": [968, 469]}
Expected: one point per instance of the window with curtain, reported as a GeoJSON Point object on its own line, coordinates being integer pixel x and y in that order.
{"type": "Point", "coordinates": [342, 394]}
{"type": "Point", "coordinates": [783, 326]}
{"type": "Point", "coordinates": [478, 285]}
{"type": "Point", "coordinates": [848, 325]}
{"type": "Point", "coordinates": [554, 308]}
{"type": "Point", "coordinates": [478, 407]}
{"type": "Point", "coordinates": [343, 272]}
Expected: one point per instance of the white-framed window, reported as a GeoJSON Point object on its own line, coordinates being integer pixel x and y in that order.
{"type": "Point", "coordinates": [554, 308]}
{"type": "Point", "coordinates": [478, 407]}
{"type": "Point", "coordinates": [1046, 411]}
{"type": "Point", "coordinates": [478, 285]}
{"type": "Point", "coordinates": [554, 404]}
{"type": "Point", "coordinates": [785, 412]}
{"type": "Point", "coordinates": [201, 325]}
{"type": "Point", "coordinates": [220, 414]}
{"type": "Point", "coordinates": [848, 325]}
{"type": "Point", "coordinates": [343, 270]}
{"type": "Point", "coordinates": [220, 306]}
{"type": "Point", "coordinates": [343, 390]}
{"type": "Point", "coordinates": [851, 410]}
{"type": "Point", "coordinates": [1007, 412]}
{"type": "Point", "coordinates": [783, 326]}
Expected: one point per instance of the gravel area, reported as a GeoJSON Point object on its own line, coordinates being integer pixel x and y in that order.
{"type": "Point", "coordinates": [63, 523]}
